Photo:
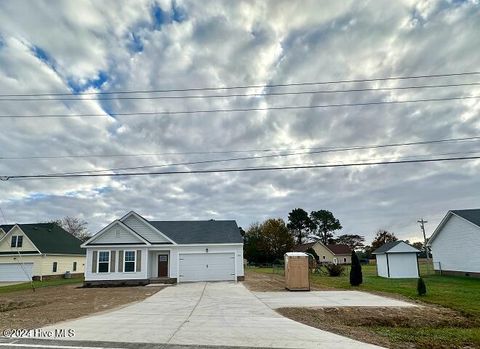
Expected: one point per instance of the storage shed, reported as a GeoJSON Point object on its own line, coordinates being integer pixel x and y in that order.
{"type": "Point", "coordinates": [297, 277]}
{"type": "Point", "coordinates": [397, 259]}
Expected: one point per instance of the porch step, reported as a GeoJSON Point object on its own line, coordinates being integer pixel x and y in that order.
{"type": "Point", "coordinates": [164, 280]}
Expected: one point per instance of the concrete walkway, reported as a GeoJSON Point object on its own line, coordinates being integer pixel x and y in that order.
{"type": "Point", "coordinates": [223, 314]}
{"type": "Point", "coordinates": [277, 300]}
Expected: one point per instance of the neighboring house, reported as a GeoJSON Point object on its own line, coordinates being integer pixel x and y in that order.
{"type": "Point", "coordinates": [134, 250]}
{"type": "Point", "coordinates": [331, 253]}
{"type": "Point", "coordinates": [38, 251]}
{"type": "Point", "coordinates": [397, 259]}
{"type": "Point", "coordinates": [455, 243]}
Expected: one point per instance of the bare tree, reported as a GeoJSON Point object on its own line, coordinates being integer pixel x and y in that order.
{"type": "Point", "coordinates": [75, 226]}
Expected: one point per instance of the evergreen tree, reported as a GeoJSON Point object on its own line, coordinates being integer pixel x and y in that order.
{"type": "Point", "coordinates": [355, 271]}
{"type": "Point", "coordinates": [421, 288]}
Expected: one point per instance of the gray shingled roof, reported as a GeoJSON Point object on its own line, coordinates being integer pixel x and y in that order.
{"type": "Point", "coordinates": [200, 232]}
{"type": "Point", "coordinates": [386, 247]}
{"type": "Point", "coordinates": [472, 215]}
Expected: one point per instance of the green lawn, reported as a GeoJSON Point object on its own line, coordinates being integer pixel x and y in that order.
{"type": "Point", "coordinates": [38, 284]}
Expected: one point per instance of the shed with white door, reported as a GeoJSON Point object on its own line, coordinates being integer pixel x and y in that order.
{"type": "Point", "coordinates": [397, 259]}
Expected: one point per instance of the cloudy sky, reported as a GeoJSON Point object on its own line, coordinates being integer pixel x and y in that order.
{"type": "Point", "coordinates": [106, 46]}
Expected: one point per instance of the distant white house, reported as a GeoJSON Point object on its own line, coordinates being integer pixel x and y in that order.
{"type": "Point", "coordinates": [397, 259]}
{"type": "Point", "coordinates": [455, 244]}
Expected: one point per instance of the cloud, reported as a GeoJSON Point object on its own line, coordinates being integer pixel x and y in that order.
{"type": "Point", "coordinates": [106, 46]}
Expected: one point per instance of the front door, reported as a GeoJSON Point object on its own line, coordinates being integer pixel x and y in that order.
{"type": "Point", "coordinates": [162, 265]}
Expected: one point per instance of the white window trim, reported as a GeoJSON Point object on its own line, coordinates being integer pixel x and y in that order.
{"type": "Point", "coordinates": [98, 261]}
{"type": "Point", "coordinates": [134, 261]}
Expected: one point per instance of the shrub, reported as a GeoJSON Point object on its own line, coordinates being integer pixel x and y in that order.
{"type": "Point", "coordinates": [334, 269]}
{"type": "Point", "coordinates": [355, 271]}
{"type": "Point", "coordinates": [421, 288]}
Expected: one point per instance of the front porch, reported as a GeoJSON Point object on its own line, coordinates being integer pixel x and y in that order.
{"type": "Point", "coordinates": [159, 266]}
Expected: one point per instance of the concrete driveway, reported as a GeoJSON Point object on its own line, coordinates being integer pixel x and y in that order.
{"type": "Point", "coordinates": [223, 314]}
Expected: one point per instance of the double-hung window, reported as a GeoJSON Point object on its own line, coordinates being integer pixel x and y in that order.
{"type": "Point", "coordinates": [17, 241]}
{"type": "Point", "coordinates": [103, 261]}
{"type": "Point", "coordinates": [129, 261]}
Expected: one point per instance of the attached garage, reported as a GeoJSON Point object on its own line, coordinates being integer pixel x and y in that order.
{"type": "Point", "coordinates": [206, 267]}
{"type": "Point", "coordinates": [16, 272]}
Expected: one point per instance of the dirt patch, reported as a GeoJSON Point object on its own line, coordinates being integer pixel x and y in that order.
{"type": "Point", "coordinates": [269, 282]}
{"type": "Point", "coordinates": [48, 305]}
{"type": "Point", "coordinates": [361, 323]}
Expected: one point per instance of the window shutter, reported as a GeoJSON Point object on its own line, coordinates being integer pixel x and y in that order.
{"type": "Point", "coordinates": [94, 262]}
{"type": "Point", "coordinates": [112, 261]}
{"type": "Point", "coordinates": [139, 260]}
{"type": "Point", "coordinates": [120, 261]}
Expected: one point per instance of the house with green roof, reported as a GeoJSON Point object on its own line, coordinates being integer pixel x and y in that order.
{"type": "Point", "coordinates": [38, 251]}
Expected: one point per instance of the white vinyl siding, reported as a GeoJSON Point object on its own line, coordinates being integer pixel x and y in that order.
{"type": "Point", "coordinates": [144, 229]}
{"type": "Point", "coordinates": [455, 248]}
{"type": "Point", "coordinates": [117, 234]}
{"type": "Point", "coordinates": [206, 267]}
{"type": "Point", "coordinates": [116, 275]}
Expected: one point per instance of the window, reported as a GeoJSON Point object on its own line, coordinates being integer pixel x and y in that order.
{"type": "Point", "coordinates": [129, 261]}
{"type": "Point", "coordinates": [344, 260]}
{"type": "Point", "coordinates": [17, 241]}
{"type": "Point", "coordinates": [103, 261]}
{"type": "Point", "coordinates": [74, 266]}
{"type": "Point", "coordinates": [54, 267]}
{"type": "Point", "coordinates": [323, 257]}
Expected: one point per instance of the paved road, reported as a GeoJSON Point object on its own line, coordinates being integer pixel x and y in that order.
{"type": "Point", "coordinates": [221, 314]}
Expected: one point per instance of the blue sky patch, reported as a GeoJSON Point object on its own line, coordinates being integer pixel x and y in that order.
{"type": "Point", "coordinates": [161, 17]}
{"type": "Point", "coordinates": [96, 83]}
{"type": "Point", "coordinates": [43, 55]}
{"type": "Point", "coordinates": [136, 43]}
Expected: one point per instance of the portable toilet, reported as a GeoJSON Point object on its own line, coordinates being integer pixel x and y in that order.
{"type": "Point", "coordinates": [297, 276]}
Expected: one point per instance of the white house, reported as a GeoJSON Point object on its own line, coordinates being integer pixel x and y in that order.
{"type": "Point", "coordinates": [134, 250]}
{"type": "Point", "coordinates": [397, 259]}
{"type": "Point", "coordinates": [456, 242]}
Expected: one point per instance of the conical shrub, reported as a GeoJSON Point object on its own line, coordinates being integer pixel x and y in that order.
{"type": "Point", "coordinates": [356, 277]}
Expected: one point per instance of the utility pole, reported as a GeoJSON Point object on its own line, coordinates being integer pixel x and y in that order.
{"type": "Point", "coordinates": [422, 225]}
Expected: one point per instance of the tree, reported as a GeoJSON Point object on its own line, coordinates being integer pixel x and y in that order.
{"type": "Point", "coordinates": [266, 242]}
{"type": "Point", "coordinates": [353, 241]}
{"type": "Point", "coordinates": [300, 224]}
{"type": "Point", "coordinates": [355, 271]}
{"type": "Point", "coordinates": [325, 223]}
{"type": "Point", "coordinates": [313, 253]}
{"type": "Point", "coordinates": [421, 287]}
{"type": "Point", "coordinates": [381, 238]}
{"type": "Point", "coordinates": [75, 226]}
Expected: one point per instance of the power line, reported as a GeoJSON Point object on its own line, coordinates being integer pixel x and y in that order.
{"type": "Point", "coordinates": [325, 149]}
{"type": "Point", "coordinates": [249, 169]}
{"type": "Point", "coordinates": [293, 107]}
{"type": "Point", "coordinates": [247, 86]}
{"type": "Point", "coordinates": [263, 157]}
{"type": "Point", "coordinates": [264, 94]}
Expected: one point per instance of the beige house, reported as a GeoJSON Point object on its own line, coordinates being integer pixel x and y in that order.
{"type": "Point", "coordinates": [331, 253]}
{"type": "Point", "coordinates": [38, 251]}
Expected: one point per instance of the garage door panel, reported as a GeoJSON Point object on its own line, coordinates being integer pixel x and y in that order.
{"type": "Point", "coordinates": [16, 271]}
{"type": "Point", "coordinates": [207, 267]}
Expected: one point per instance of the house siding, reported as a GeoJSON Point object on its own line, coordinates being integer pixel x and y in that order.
{"type": "Point", "coordinates": [27, 245]}
{"type": "Point", "coordinates": [117, 234]}
{"type": "Point", "coordinates": [143, 229]}
{"type": "Point", "coordinates": [321, 251]}
{"type": "Point", "coordinates": [43, 264]}
{"type": "Point", "coordinates": [455, 247]}
{"type": "Point", "coordinates": [116, 275]}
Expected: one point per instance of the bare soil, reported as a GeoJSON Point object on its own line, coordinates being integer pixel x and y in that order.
{"type": "Point", "coordinates": [28, 310]}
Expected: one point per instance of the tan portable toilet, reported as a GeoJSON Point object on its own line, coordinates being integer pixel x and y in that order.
{"type": "Point", "coordinates": [297, 276]}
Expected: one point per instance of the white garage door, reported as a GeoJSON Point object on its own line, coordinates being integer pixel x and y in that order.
{"type": "Point", "coordinates": [207, 267]}
{"type": "Point", "coordinates": [16, 271]}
